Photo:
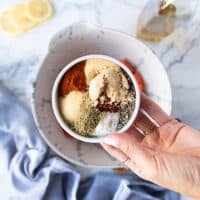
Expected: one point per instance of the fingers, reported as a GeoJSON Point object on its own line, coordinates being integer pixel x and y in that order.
{"type": "Point", "coordinates": [154, 110]}
{"type": "Point", "coordinates": [125, 142]}
{"type": "Point", "coordinates": [122, 157]}
{"type": "Point", "coordinates": [145, 124]}
{"type": "Point", "coordinates": [137, 158]}
{"type": "Point", "coordinates": [131, 135]}
{"type": "Point", "coordinates": [116, 153]}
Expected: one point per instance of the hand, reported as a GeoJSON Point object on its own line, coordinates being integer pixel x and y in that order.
{"type": "Point", "coordinates": [169, 154]}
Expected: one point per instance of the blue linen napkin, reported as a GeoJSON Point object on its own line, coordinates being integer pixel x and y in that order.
{"type": "Point", "coordinates": [31, 174]}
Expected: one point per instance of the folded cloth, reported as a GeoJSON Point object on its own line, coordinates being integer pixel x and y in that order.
{"type": "Point", "coordinates": [27, 172]}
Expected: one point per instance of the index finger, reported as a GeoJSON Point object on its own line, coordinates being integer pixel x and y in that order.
{"type": "Point", "coordinates": [154, 110]}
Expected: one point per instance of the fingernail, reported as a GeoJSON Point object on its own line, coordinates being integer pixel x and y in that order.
{"type": "Point", "coordinates": [110, 141]}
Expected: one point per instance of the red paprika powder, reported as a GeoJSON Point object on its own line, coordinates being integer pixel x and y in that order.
{"type": "Point", "coordinates": [74, 79]}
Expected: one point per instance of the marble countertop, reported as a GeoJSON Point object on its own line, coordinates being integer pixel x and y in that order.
{"type": "Point", "coordinates": [20, 56]}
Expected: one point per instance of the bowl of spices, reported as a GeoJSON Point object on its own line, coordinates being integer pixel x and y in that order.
{"type": "Point", "coordinates": [93, 96]}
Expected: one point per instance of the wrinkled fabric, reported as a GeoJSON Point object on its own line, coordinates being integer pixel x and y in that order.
{"type": "Point", "coordinates": [29, 173]}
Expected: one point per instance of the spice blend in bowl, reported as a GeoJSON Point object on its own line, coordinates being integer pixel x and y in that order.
{"type": "Point", "coordinates": [95, 97]}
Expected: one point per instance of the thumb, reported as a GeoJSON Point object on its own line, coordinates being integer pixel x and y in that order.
{"type": "Point", "coordinates": [138, 158]}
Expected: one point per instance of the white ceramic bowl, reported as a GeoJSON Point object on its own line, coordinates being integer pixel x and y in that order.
{"type": "Point", "coordinates": [78, 40]}
{"type": "Point", "coordinates": [55, 106]}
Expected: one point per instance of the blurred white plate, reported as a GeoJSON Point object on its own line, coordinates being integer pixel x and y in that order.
{"type": "Point", "coordinates": [78, 40]}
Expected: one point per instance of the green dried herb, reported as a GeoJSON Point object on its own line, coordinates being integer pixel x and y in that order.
{"type": "Point", "coordinates": [88, 121]}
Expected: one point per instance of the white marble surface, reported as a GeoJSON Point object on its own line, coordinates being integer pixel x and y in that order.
{"type": "Point", "coordinates": [20, 57]}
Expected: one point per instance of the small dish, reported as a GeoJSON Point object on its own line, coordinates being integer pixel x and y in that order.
{"type": "Point", "coordinates": [75, 41]}
{"type": "Point", "coordinates": [56, 110]}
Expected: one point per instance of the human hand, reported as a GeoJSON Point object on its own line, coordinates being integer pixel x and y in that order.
{"type": "Point", "coordinates": [169, 154]}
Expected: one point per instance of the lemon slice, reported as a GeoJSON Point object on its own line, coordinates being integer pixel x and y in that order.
{"type": "Point", "coordinates": [20, 19]}
{"type": "Point", "coordinates": [7, 24]}
{"type": "Point", "coordinates": [38, 10]}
